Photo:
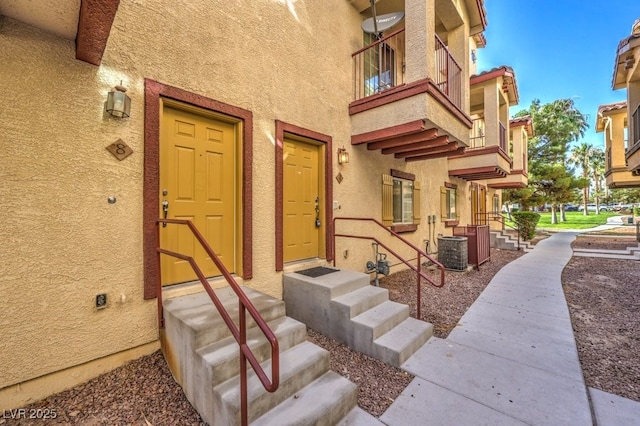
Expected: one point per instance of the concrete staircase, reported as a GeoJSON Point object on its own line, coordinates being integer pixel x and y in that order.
{"type": "Point", "coordinates": [204, 359]}
{"type": "Point", "coordinates": [631, 253]}
{"type": "Point", "coordinates": [505, 241]}
{"type": "Point", "coordinates": [344, 306]}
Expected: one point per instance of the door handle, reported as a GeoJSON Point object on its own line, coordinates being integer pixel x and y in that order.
{"type": "Point", "coordinates": [165, 211]}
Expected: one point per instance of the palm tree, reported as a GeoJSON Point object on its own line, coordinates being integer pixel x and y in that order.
{"type": "Point", "coordinates": [581, 155]}
{"type": "Point", "coordinates": [597, 169]}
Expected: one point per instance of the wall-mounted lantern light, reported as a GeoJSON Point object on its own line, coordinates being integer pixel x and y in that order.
{"type": "Point", "coordinates": [118, 103]}
{"type": "Point", "coordinates": [343, 156]}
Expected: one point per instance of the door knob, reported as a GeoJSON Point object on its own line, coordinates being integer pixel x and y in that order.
{"type": "Point", "coordinates": [165, 211]}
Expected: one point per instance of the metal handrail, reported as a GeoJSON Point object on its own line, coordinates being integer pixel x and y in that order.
{"type": "Point", "coordinates": [417, 269]}
{"type": "Point", "coordinates": [239, 334]}
{"type": "Point", "coordinates": [497, 217]}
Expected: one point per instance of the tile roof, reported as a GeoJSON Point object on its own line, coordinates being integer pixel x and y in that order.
{"type": "Point", "coordinates": [612, 107]}
{"type": "Point", "coordinates": [504, 71]}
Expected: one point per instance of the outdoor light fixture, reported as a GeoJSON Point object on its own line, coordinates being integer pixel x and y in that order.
{"type": "Point", "coordinates": [118, 103]}
{"type": "Point", "coordinates": [343, 156]}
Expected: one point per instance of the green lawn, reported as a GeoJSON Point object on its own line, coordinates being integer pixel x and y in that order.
{"type": "Point", "coordinates": [575, 220]}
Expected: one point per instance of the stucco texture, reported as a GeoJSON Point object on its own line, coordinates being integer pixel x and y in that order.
{"type": "Point", "coordinates": [62, 242]}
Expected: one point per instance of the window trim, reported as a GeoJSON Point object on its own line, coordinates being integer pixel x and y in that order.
{"type": "Point", "coordinates": [387, 201]}
{"type": "Point", "coordinates": [445, 216]}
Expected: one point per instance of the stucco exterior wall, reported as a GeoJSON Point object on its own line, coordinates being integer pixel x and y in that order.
{"type": "Point", "coordinates": [63, 243]}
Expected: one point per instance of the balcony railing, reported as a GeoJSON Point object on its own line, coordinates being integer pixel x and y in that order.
{"type": "Point", "coordinates": [477, 139]}
{"type": "Point", "coordinates": [448, 76]}
{"type": "Point", "coordinates": [378, 67]}
{"type": "Point", "coordinates": [635, 132]}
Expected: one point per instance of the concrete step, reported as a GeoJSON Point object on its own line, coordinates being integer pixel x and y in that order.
{"type": "Point", "coordinates": [309, 299]}
{"type": "Point", "coordinates": [299, 366]}
{"type": "Point", "coordinates": [358, 301]}
{"type": "Point", "coordinates": [398, 344]}
{"type": "Point", "coordinates": [505, 241]}
{"type": "Point", "coordinates": [221, 359]}
{"type": "Point", "coordinates": [198, 320]}
{"type": "Point", "coordinates": [359, 417]}
{"type": "Point", "coordinates": [375, 322]}
{"type": "Point", "coordinates": [324, 402]}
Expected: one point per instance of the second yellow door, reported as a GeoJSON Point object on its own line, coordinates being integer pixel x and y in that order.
{"type": "Point", "coordinates": [302, 203]}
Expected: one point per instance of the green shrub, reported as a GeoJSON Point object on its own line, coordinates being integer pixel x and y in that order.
{"type": "Point", "coordinates": [636, 211]}
{"type": "Point", "coordinates": [526, 222]}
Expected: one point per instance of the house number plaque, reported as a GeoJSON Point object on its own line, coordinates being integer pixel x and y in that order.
{"type": "Point", "coordinates": [120, 149]}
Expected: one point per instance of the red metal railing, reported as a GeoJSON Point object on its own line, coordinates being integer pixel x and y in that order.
{"type": "Point", "coordinates": [477, 139]}
{"type": "Point", "coordinates": [239, 334]}
{"type": "Point", "coordinates": [635, 129]}
{"type": "Point", "coordinates": [478, 242]}
{"type": "Point", "coordinates": [378, 66]}
{"type": "Point", "coordinates": [448, 76]}
{"type": "Point", "coordinates": [417, 269]}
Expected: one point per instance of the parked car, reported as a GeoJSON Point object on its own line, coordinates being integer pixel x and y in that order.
{"type": "Point", "coordinates": [592, 208]}
{"type": "Point", "coordinates": [570, 208]}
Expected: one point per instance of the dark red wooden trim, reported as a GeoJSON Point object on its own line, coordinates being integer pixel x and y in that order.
{"type": "Point", "coordinates": [493, 149]}
{"type": "Point", "coordinates": [414, 141]}
{"type": "Point", "coordinates": [404, 129]}
{"type": "Point", "coordinates": [450, 185]}
{"type": "Point", "coordinates": [406, 91]}
{"type": "Point", "coordinates": [402, 175]}
{"type": "Point", "coordinates": [94, 26]}
{"type": "Point", "coordinates": [507, 185]}
{"type": "Point", "coordinates": [451, 223]}
{"type": "Point", "coordinates": [490, 75]}
{"type": "Point", "coordinates": [444, 100]}
{"type": "Point", "coordinates": [450, 147]}
{"type": "Point", "coordinates": [153, 91]}
{"type": "Point", "coordinates": [400, 229]}
{"type": "Point", "coordinates": [436, 155]}
{"type": "Point", "coordinates": [389, 96]}
{"type": "Point", "coordinates": [281, 129]}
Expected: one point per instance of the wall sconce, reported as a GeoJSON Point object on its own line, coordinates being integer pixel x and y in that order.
{"type": "Point", "coordinates": [343, 156]}
{"type": "Point", "coordinates": [118, 103]}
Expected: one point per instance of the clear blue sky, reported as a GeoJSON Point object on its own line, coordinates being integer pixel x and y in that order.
{"type": "Point", "coordinates": [559, 49]}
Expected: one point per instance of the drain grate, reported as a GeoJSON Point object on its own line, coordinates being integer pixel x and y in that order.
{"type": "Point", "coordinates": [318, 271]}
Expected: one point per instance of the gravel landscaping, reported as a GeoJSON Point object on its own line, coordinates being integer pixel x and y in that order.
{"type": "Point", "coordinates": [602, 294]}
{"type": "Point", "coordinates": [604, 300]}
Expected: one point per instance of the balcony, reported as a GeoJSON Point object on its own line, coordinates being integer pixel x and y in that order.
{"type": "Point", "coordinates": [489, 156]}
{"type": "Point", "coordinates": [395, 116]}
{"type": "Point", "coordinates": [612, 122]}
{"type": "Point", "coordinates": [633, 152]}
{"type": "Point", "coordinates": [487, 159]}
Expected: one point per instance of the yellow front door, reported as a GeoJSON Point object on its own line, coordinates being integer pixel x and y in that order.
{"type": "Point", "coordinates": [302, 205]}
{"type": "Point", "coordinates": [197, 169]}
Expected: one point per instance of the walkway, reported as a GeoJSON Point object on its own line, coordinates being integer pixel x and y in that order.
{"type": "Point", "coordinates": [513, 358]}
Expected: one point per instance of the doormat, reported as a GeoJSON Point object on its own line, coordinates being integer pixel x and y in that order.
{"type": "Point", "coordinates": [318, 271]}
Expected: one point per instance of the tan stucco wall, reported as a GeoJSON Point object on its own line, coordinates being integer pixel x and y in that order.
{"type": "Point", "coordinates": [63, 242]}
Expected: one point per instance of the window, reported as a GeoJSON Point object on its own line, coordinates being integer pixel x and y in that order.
{"type": "Point", "coordinates": [448, 204]}
{"type": "Point", "coordinates": [400, 201]}
{"type": "Point", "coordinates": [379, 67]}
{"type": "Point", "coordinates": [496, 204]}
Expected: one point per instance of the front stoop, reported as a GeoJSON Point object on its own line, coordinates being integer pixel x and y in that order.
{"type": "Point", "coordinates": [344, 306]}
{"type": "Point", "coordinates": [504, 241]}
{"type": "Point", "coordinates": [204, 359]}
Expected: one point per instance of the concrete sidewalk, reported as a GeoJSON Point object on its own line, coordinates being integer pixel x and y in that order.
{"type": "Point", "coordinates": [512, 360]}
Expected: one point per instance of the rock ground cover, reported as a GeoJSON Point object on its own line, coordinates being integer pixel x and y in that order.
{"type": "Point", "coordinates": [602, 295]}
